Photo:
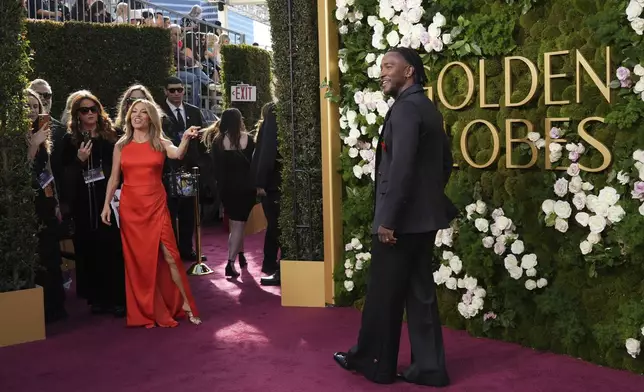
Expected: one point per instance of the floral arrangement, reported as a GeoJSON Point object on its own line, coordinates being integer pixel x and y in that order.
{"type": "Point", "coordinates": [495, 271]}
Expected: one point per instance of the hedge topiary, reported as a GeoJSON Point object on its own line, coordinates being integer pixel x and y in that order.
{"type": "Point", "coordinates": [592, 303]}
{"type": "Point", "coordinates": [103, 58]}
{"type": "Point", "coordinates": [245, 64]}
{"type": "Point", "coordinates": [298, 116]}
{"type": "Point", "coordinates": [17, 212]}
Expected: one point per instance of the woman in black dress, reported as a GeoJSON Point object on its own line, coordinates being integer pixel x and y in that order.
{"type": "Point", "coordinates": [231, 148]}
{"type": "Point", "coordinates": [87, 158]}
{"type": "Point", "coordinates": [50, 276]}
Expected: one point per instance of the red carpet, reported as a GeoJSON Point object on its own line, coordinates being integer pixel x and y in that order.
{"type": "Point", "coordinates": [248, 343]}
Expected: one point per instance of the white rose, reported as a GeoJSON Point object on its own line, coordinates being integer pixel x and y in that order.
{"type": "Point", "coordinates": [555, 147]}
{"type": "Point", "coordinates": [515, 273]}
{"type": "Point", "coordinates": [348, 263]}
{"type": "Point", "coordinates": [582, 218]}
{"type": "Point", "coordinates": [343, 29]}
{"type": "Point", "coordinates": [633, 347]}
{"type": "Point", "coordinates": [436, 44]}
{"type": "Point", "coordinates": [561, 188]}
{"type": "Point", "coordinates": [357, 171]}
{"type": "Point", "coordinates": [633, 10]}
{"type": "Point", "coordinates": [488, 242]}
{"type": "Point", "coordinates": [503, 223]}
{"type": "Point", "coordinates": [494, 229]}
{"type": "Point", "coordinates": [541, 143]}
{"type": "Point", "coordinates": [456, 264]}
{"type": "Point", "coordinates": [639, 71]}
{"type": "Point", "coordinates": [623, 178]}
{"type": "Point", "coordinates": [470, 209]}
{"type": "Point", "coordinates": [451, 283]}
{"type": "Point", "coordinates": [354, 133]}
{"type": "Point", "coordinates": [573, 170]}
{"type": "Point", "coordinates": [358, 97]}
{"type": "Point", "coordinates": [477, 303]}
{"type": "Point", "coordinates": [530, 284]}
{"type": "Point", "coordinates": [596, 223]}
{"type": "Point", "coordinates": [341, 13]}
{"type": "Point", "coordinates": [353, 152]}
{"type": "Point", "coordinates": [469, 282]}
{"type": "Point", "coordinates": [371, 118]}
{"type": "Point", "coordinates": [561, 225]}
{"type": "Point", "coordinates": [434, 31]}
{"type": "Point", "coordinates": [531, 272]}
{"type": "Point", "coordinates": [447, 39]}
{"type": "Point", "coordinates": [555, 156]}
{"type": "Point", "coordinates": [579, 200]}
{"type": "Point", "coordinates": [562, 209]}
{"type": "Point", "coordinates": [575, 185]}
{"type": "Point", "coordinates": [585, 247]}
{"type": "Point", "coordinates": [529, 261]}
{"type": "Point", "coordinates": [350, 141]}
{"type": "Point", "coordinates": [608, 195]}
{"type": "Point", "coordinates": [439, 20]}
{"type": "Point", "coordinates": [638, 155]}
{"type": "Point", "coordinates": [594, 238]}
{"type": "Point", "coordinates": [460, 283]}
{"type": "Point", "coordinates": [393, 39]}
{"type": "Point", "coordinates": [481, 225]}
{"type": "Point", "coordinates": [616, 214]}
{"type": "Point", "coordinates": [349, 273]}
{"type": "Point", "coordinates": [371, 20]}
{"type": "Point", "coordinates": [481, 208]}
{"type": "Point", "coordinates": [359, 265]}
{"type": "Point", "coordinates": [548, 206]}
{"type": "Point", "coordinates": [348, 285]}
{"type": "Point", "coordinates": [587, 186]}
{"type": "Point", "coordinates": [510, 262]}
{"type": "Point", "coordinates": [358, 15]}
{"type": "Point", "coordinates": [517, 247]}
{"type": "Point", "coordinates": [641, 209]}
{"type": "Point", "coordinates": [534, 136]}
{"type": "Point", "coordinates": [638, 25]}
{"type": "Point", "coordinates": [481, 293]}
{"type": "Point", "coordinates": [541, 283]}
{"type": "Point", "coordinates": [446, 254]}
{"type": "Point", "coordinates": [499, 248]}
{"type": "Point", "coordinates": [497, 213]}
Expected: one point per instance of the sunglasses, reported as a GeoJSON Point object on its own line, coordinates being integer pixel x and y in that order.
{"type": "Point", "coordinates": [85, 110]}
{"type": "Point", "coordinates": [175, 90]}
{"type": "Point", "coordinates": [45, 95]}
{"type": "Point", "coordinates": [132, 100]}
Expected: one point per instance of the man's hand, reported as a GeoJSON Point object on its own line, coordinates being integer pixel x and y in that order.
{"type": "Point", "coordinates": [386, 236]}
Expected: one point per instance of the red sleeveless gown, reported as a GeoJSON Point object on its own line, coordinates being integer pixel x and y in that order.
{"type": "Point", "coordinates": [152, 296]}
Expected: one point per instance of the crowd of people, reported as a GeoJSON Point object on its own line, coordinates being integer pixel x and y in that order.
{"type": "Point", "coordinates": [118, 189]}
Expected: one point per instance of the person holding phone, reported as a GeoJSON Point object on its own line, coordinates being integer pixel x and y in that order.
{"type": "Point", "coordinates": [88, 147]}
{"type": "Point", "coordinates": [50, 277]}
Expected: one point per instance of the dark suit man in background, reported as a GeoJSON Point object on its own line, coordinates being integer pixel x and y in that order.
{"type": "Point", "coordinates": [413, 165]}
{"type": "Point", "coordinates": [267, 168]}
{"type": "Point", "coordinates": [181, 116]}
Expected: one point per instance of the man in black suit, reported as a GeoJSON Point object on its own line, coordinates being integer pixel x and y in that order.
{"type": "Point", "coordinates": [413, 165]}
{"type": "Point", "coordinates": [267, 167]}
{"type": "Point", "coordinates": [179, 117]}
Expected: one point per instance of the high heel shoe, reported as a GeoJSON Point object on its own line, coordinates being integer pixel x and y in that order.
{"type": "Point", "coordinates": [191, 317]}
{"type": "Point", "coordinates": [230, 270]}
{"type": "Point", "coordinates": [242, 260]}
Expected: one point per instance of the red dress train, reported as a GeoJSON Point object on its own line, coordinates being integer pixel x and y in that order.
{"type": "Point", "coordinates": [152, 296]}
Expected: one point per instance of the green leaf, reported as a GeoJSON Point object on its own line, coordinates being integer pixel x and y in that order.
{"type": "Point", "coordinates": [457, 44]}
{"type": "Point", "coordinates": [615, 84]}
{"type": "Point", "coordinates": [476, 49]}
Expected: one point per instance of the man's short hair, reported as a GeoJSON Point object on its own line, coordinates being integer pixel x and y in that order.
{"type": "Point", "coordinates": [38, 83]}
{"type": "Point", "coordinates": [173, 80]}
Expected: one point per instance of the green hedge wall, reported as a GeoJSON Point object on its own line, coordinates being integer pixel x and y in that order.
{"type": "Point", "coordinates": [592, 303]}
{"type": "Point", "coordinates": [301, 205]}
{"type": "Point", "coordinates": [249, 65]}
{"type": "Point", "coordinates": [103, 58]}
{"type": "Point", "coordinates": [17, 213]}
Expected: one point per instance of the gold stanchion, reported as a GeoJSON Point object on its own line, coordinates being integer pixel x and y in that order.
{"type": "Point", "coordinates": [198, 268]}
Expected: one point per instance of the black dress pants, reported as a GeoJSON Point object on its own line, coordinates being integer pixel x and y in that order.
{"type": "Point", "coordinates": [271, 206]}
{"type": "Point", "coordinates": [183, 208]}
{"type": "Point", "coordinates": [401, 277]}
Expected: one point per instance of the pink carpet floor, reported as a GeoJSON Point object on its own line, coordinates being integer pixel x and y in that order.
{"type": "Point", "coordinates": [248, 343]}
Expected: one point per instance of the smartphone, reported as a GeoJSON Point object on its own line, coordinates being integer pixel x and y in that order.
{"type": "Point", "coordinates": [44, 120]}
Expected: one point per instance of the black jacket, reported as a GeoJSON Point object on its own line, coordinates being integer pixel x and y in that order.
{"type": "Point", "coordinates": [413, 165]}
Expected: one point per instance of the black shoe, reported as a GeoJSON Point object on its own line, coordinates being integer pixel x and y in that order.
{"type": "Point", "coordinates": [437, 382]}
{"type": "Point", "coordinates": [119, 311]}
{"type": "Point", "coordinates": [272, 280]}
{"type": "Point", "coordinates": [341, 359]}
{"type": "Point", "coordinates": [98, 309]}
{"type": "Point", "coordinates": [242, 260]}
{"type": "Point", "coordinates": [231, 272]}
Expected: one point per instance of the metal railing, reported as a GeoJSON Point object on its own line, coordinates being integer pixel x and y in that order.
{"type": "Point", "coordinates": [196, 42]}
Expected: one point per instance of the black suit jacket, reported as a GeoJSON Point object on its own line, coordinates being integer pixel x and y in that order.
{"type": "Point", "coordinates": [266, 165]}
{"type": "Point", "coordinates": [173, 130]}
{"type": "Point", "coordinates": [413, 165]}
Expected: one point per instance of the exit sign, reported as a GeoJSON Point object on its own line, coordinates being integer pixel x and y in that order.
{"type": "Point", "coordinates": [243, 93]}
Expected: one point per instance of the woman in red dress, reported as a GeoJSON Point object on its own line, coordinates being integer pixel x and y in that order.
{"type": "Point", "coordinates": [157, 287]}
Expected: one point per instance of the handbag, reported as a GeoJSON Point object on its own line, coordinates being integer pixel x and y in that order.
{"type": "Point", "coordinates": [256, 221]}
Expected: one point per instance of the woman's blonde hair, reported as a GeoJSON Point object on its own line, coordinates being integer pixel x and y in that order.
{"type": "Point", "coordinates": [155, 131]}
{"type": "Point", "coordinates": [212, 39]}
{"type": "Point", "coordinates": [266, 110]}
{"type": "Point", "coordinates": [29, 93]}
{"type": "Point", "coordinates": [123, 103]}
